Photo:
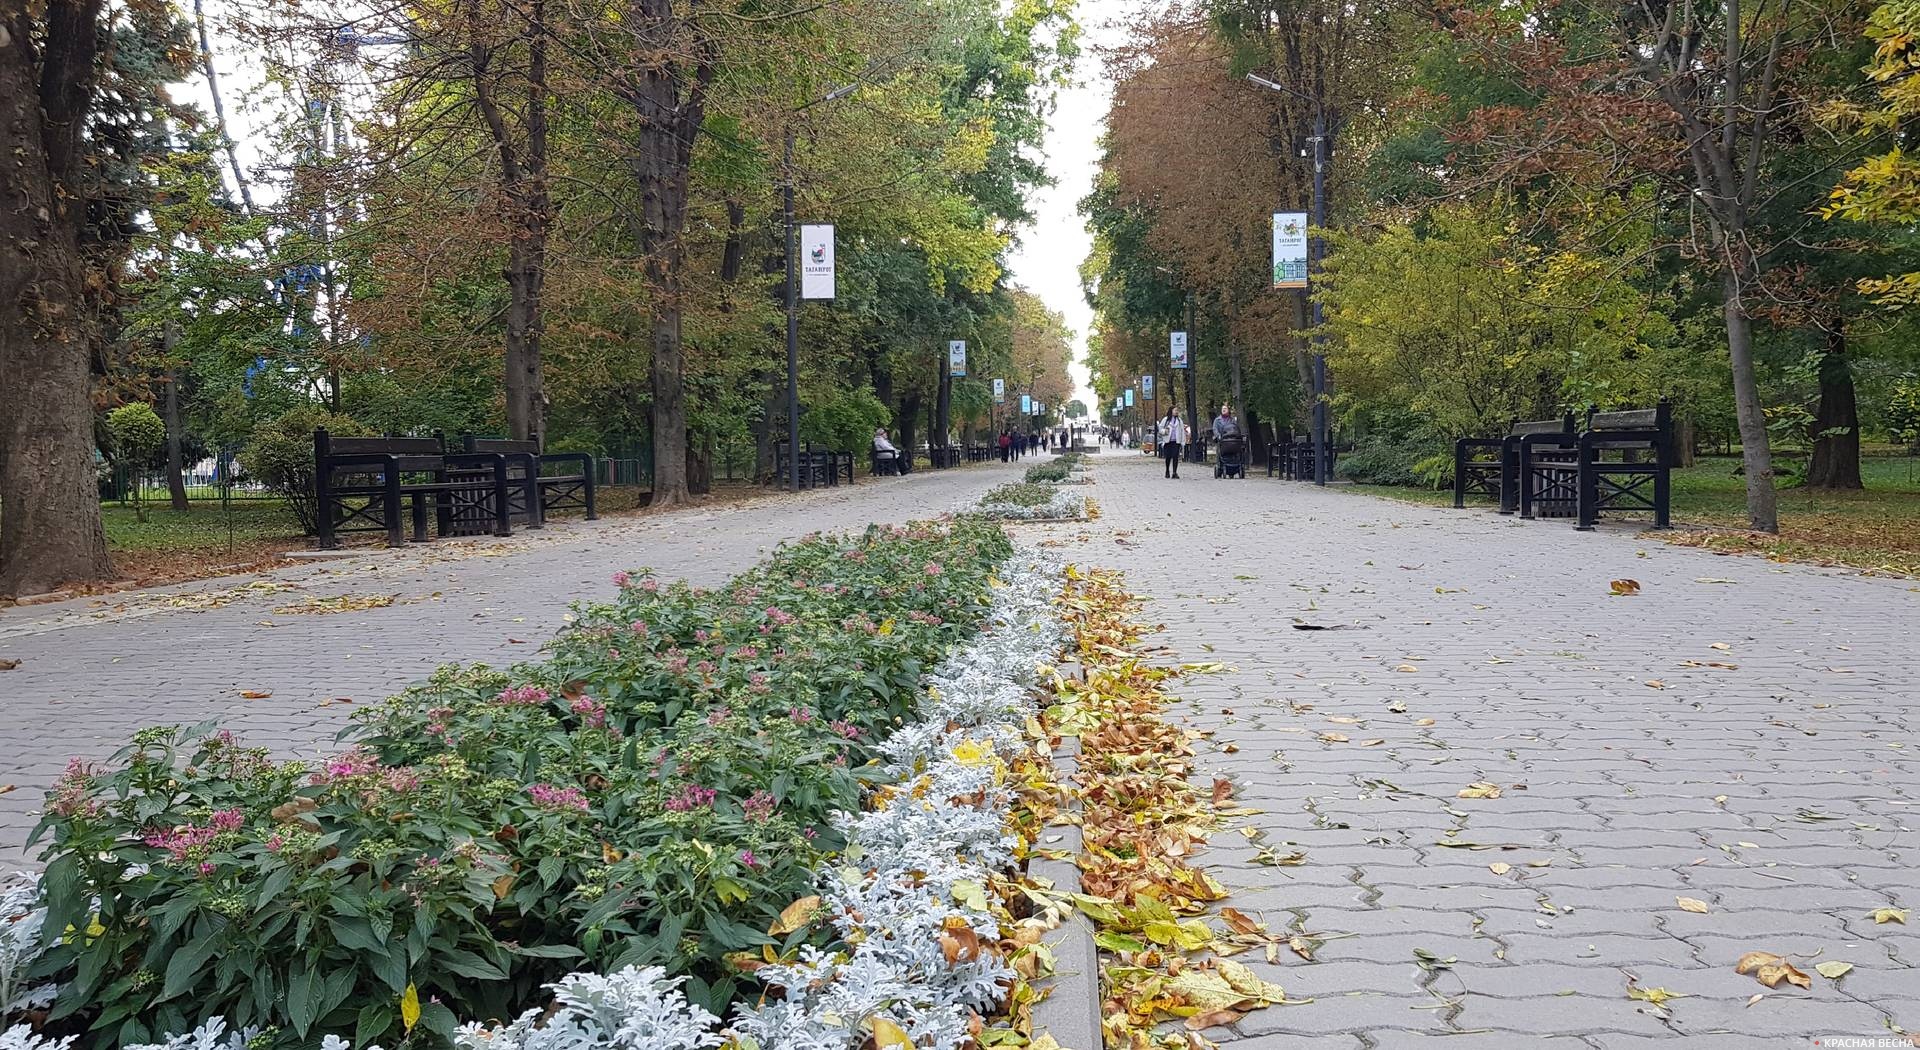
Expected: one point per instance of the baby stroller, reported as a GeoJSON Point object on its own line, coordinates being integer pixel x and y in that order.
{"type": "Point", "coordinates": [1231, 462]}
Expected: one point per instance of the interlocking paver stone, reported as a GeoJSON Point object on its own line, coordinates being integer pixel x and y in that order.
{"type": "Point", "coordinates": [1770, 789]}
{"type": "Point", "coordinates": [94, 671]}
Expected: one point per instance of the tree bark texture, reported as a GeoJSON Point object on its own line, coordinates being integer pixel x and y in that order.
{"type": "Point", "coordinates": [50, 531]}
{"type": "Point", "coordinates": [1756, 450]}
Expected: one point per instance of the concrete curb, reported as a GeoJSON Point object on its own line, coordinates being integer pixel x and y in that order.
{"type": "Point", "coordinates": [1070, 1013]}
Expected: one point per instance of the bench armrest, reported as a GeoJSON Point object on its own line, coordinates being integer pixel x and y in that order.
{"type": "Point", "coordinates": [1479, 443]}
{"type": "Point", "coordinates": [585, 460]}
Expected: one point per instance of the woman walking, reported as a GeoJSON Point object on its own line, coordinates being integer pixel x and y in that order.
{"type": "Point", "coordinates": [1176, 431]}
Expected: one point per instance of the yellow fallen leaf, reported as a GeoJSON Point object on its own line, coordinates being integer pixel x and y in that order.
{"type": "Point", "coordinates": [1423, 721]}
{"type": "Point", "coordinates": [1479, 789]}
{"type": "Point", "coordinates": [254, 694]}
{"type": "Point", "coordinates": [1833, 969]}
{"type": "Point", "coordinates": [1656, 996]}
{"type": "Point", "coordinates": [1655, 683]}
{"type": "Point", "coordinates": [889, 1036]}
{"type": "Point", "coordinates": [1406, 668]}
{"type": "Point", "coordinates": [1881, 915]}
{"type": "Point", "coordinates": [1372, 743]}
{"type": "Point", "coordinates": [1334, 738]}
{"type": "Point", "coordinates": [1722, 646]}
{"type": "Point", "coordinates": [1625, 587]}
{"type": "Point", "coordinates": [800, 912]}
{"type": "Point", "coordinates": [410, 1007]}
{"type": "Point", "coordinates": [1691, 904]}
{"type": "Point", "coordinates": [1500, 867]}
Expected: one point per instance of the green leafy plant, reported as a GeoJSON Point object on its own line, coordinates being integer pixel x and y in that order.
{"type": "Point", "coordinates": [652, 793]}
{"type": "Point", "coordinates": [280, 456]}
{"type": "Point", "coordinates": [136, 433]}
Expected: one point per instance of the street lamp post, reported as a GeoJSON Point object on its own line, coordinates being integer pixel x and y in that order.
{"type": "Point", "coordinates": [793, 292]}
{"type": "Point", "coordinates": [1315, 249]}
{"type": "Point", "coordinates": [1193, 452]}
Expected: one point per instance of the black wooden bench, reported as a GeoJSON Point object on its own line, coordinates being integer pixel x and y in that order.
{"type": "Point", "coordinates": [942, 458]}
{"type": "Point", "coordinates": [361, 483]}
{"type": "Point", "coordinates": [818, 467]}
{"type": "Point", "coordinates": [980, 453]}
{"type": "Point", "coordinates": [1623, 463]}
{"type": "Point", "coordinates": [534, 493]}
{"type": "Point", "coordinates": [1499, 477]}
{"type": "Point", "coordinates": [883, 462]}
{"type": "Point", "coordinates": [1280, 456]}
{"type": "Point", "coordinates": [1300, 462]}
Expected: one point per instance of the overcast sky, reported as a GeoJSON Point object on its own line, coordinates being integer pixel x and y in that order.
{"type": "Point", "coordinates": [1049, 256]}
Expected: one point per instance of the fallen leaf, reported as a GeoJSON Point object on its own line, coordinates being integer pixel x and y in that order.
{"type": "Point", "coordinates": [1429, 961]}
{"type": "Point", "coordinates": [8, 665]}
{"type": "Point", "coordinates": [798, 914]}
{"type": "Point", "coordinates": [1423, 721]}
{"type": "Point", "coordinates": [1722, 646]}
{"type": "Point", "coordinates": [1398, 707]}
{"type": "Point", "coordinates": [1479, 789]}
{"type": "Point", "coordinates": [1334, 738]}
{"type": "Point", "coordinates": [1710, 579]}
{"type": "Point", "coordinates": [255, 694]}
{"type": "Point", "coordinates": [1898, 915]}
{"type": "Point", "coordinates": [1833, 969]}
{"type": "Point", "coordinates": [1757, 996]}
{"type": "Point", "coordinates": [1406, 668]}
{"type": "Point", "coordinates": [1626, 587]}
{"type": "Point", "coordinates": [888, 1035]}
{"type": "Point", "coordinates": [1500, 867]}
{"type": "Point", "coordinates": [1770, 969]}
{"type": "Point", "coordinates": [1655, 683]}
{"type": "Point", "coordinates": [1372, 743]}
{"type": "Point", "coordinates": [1691, 904]}
{"type": "Point", "coordinates": [1656, 996]}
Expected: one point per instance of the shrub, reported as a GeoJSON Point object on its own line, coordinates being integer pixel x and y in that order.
{"type": "Point", "coordinates": [651, 794]}
{"type": "Point", "coordinates": [137, 433]}
{"type": "Point", "coordinates": [1048, 473]}
{"type": "Point", "coordinates": [279, 455]}
{"type": "Point", "coordinates": [844, 420]}
{"type": "Point", "coordinates": [1412, 464]}
{"type": "Point", "coordinates": [1020, 494]}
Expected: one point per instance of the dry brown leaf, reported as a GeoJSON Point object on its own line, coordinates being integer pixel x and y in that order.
{"type": "Point", "coordinates": [1770, 969]}
{"type": "Point", "coordinates": [1691, 904]}
{"type": "Point", "coordinates": [1334, 738]}
{"type": "Point", "coordinates": [1423, 721]}
{"type": "Point", "coordinates": [1376, 742]}
{"type": "Point", "coordinates": [255, 694]}
{"type": "Point", "coordinates": [1239, 922]}
{"type": "Point", "coordinates": [1655, 683]}
{"type": "Point", "coordinates": [1625, 587]}
{"type": "Point", "coordinates": [1406, 669]}
{"type": "Point", "coordinates": [8, 665]}
{"type": "Point", "coordinates": [1500, 867]}
{"type": "Point", "coordinates": [793, 916]}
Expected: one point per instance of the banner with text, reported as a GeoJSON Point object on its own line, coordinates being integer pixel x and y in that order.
{"type": "Point", "coordinates": [1289, 249]}
{"type": "Point", "coordinates": [816, 262]}
{"type": "Point", "coordinates": [1179, 343]}
{"type": "Point", "coordinates": [999, 391]}
{"type": "Point", "coordinates": [957, 358]}
{"type": "Point", "coordinates": [1146, 387]}
{"type": "Point", "coordinates": [1026, 404]}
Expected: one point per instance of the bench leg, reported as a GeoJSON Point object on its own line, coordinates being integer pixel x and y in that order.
{"type": "Point", "coordinates": [1662, 500]}
{"type": "Point", "coordinates": [536, 507]}
{"type": "Point", "coordinates": [503, 506]}
{"type": "Point", "coordinates": [1459, 477]}
{"type": "Point", "coordinates": [396, 530]}
{"type": "Point", "coordinates": [1586, 493]}
{"type": "Point", "coordinates": [420, 518]}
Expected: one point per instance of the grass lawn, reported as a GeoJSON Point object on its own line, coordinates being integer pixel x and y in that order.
{"type": "Point", "coordinates": [204, 541]}
{"type": "Point", "coordinates": [1875, 528]}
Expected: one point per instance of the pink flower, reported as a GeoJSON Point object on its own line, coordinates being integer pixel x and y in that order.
{"type": "Point", "coordinates": [846, 729]}
{"type": "Point", "coordinates": [759, 806]}
{"type": "Point", "coordinates": [546, 796]}
{"type": "Point", "coordinates": [592, 712]}
{"type": "Point", "coordinates": [621, 579]}
{"type": "Point", "coordinates": [801, 715]}
{"type": "Point", "coordinates": [719, 715]}
{"type": "Point", "coordinates": [692, 797]}
{"type": "Point", "coordinates": [811, 833]}
{"type": "Point", "coordinates": [526, 695]}
{"type": "Point", "coordinates": [227, 820]}
{"type": "Point", "coordinates": [72, 794]}
{"type": "Point", "coordinates": [354, 763]}
{"type": "Point", "coordinates": [639, 628]}
{"type": "Point", "coordinates": [649, 585]}
{"type": "Point", "coordinates": [206, 867]}
{"type": "Point", "coordinates": [747, 858]}
{"type": "Point", "coordinates": [933, 568]}
{"type": "Point", "coordinates": [274, 842]}
{"type": "Point", "coordinates": [779, 616]}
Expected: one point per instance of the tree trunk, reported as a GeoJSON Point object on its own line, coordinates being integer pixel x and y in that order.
{"type": "Point", "coordinates": [1836, 421]}
{"type": "Point", "coordinates": [671, 106]}
{"type": "Point", "coordinates": [176, 482]}
{"type": "Point", "coordinates": [942, 409]}
{"type": "Point", "coordinates": [700, 467]}
{"type": "Point", "coordinates": [1755, 449]}
{"type": "Point", "coordinates": [1685, 438]}
{"type": "Point", "coordinates": [50, 532]}
{"type": "Point", "coordinates": [908, 424]}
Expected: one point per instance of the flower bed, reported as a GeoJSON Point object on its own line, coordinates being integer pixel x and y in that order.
{"type": "Point", "coordinates": [643, 803]}
{"type": "Point", "coordinates": [1032, 502]}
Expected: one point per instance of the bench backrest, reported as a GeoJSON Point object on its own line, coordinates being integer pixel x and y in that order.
{"type": "Point", "coordinates": [1563, 425]}
{"type": "Point", "coordinates": [1656, 418]}
{"type": "Point", "coordinates": [506, 446]}
{"type": "Point", "coordinates": [410, 453]}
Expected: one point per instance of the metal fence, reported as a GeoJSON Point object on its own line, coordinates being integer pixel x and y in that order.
{"type": "Point", "coordinates": [213, 479]}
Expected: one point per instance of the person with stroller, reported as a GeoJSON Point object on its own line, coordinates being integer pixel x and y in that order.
{"type": "Point", "coordinates": [1176, 435]}
{"type": "Point", "coordinates": [1232, 444]}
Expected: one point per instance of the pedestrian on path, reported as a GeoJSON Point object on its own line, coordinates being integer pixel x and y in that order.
{"type": "Point", "coordinates": [1006, 447]}
{"type": "Point", "coordinates": [1176, 430]}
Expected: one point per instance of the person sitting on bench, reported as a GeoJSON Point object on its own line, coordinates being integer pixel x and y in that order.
{"type": "Point", "coordinates": [884, 451]}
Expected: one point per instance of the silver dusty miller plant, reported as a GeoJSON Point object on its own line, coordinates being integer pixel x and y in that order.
{"type": "Point", "coordinates": [21, 922]}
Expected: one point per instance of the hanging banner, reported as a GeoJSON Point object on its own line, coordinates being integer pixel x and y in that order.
{"type": "Point", "coordinates": [816, 262]}
{"type": "Point", "coordinates": [1116, 404]}
{"type": "Point", "coordinates": [999, 391]}
{"type": "Point", "coordinates": [1146, 387]}
{"type": "Point", "coordinates": [1179, 342]}
{"type": "Point", "coordinates": [1289, 249]}
{"type": "Point", "coordinates": [1026, 404]}
{"type": "Point", "coordinates": [1129, 397]}
{"type": "Point", "coordinates": [957, 358]}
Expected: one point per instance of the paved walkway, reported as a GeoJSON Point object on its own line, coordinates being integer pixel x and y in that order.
{"type": "Point", "coordinates": [1741, 733]}
{"type": "Point", "coordinates": [94, 671]}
